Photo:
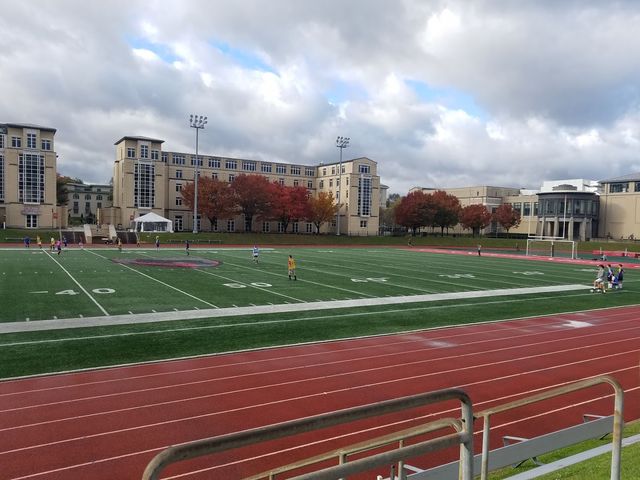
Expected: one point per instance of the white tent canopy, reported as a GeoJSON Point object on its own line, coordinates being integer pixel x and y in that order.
{"type": "Point", "coordinates": [152, 222]}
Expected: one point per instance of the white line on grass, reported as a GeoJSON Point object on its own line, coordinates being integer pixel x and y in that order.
{"type": "Point", "coordinates": [295, 319]}
{"type": "Point", "coordinates": [156, 280]}
{"type": "Point", "coordinates": [249, 285]}
{"type": "Point", "coordinates": [13, 327]}
{"type": "Point", "coordinates": [79, 286]}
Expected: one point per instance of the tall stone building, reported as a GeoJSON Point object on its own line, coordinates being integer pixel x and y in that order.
{"type": "Point", "coordinates": [148, 179]}
{"type": "Point", "coordinates": [28, 176]}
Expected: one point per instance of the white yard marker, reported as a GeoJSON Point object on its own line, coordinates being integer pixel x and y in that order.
{"type": "Point", "coordinates": [159, 281]}
{"type": "Point", "coordinates": [79, 286]}
{"type": "Point", "coordinates": [576, 324]}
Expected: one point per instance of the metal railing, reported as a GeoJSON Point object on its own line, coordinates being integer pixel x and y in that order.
{"type": "Point", "coordinates": [463, 437]}
{"type": "Point", "coordinates": [617, 418]}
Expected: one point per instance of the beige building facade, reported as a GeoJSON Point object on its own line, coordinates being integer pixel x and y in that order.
{"type": "Point", "coordinates": [28, 177]}
{"type": "Point", "coordinates": [620, 207]}
{"type": "Point", "coordinates": [86, 201]}
{"type": "Point", "coordinates": [148, 179]}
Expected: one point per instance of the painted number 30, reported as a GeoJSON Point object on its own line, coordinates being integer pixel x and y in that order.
{"type": "Point", "coordinates": [95, 290]}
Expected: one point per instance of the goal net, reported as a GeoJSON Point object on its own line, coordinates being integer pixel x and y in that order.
{"type": "Point", "coordinates": [551, 247]}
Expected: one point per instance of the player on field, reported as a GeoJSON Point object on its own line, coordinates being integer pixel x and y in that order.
{"type": "Point", "coordinates": [52, 244]}
{"type": "Point", "coordinates": [39, 240]}
{"type": "Point", "coordinates": [119, 244]}
{"type": "Point", "coordinates": [58, 246]}
{"type": "Point", "coordinates": [620, 276]}
{"type": "Point", "coordinates": [479, 250]}
{"type": "Point", "coordinates": [255, 253]}
{"type": "Point", "coordinates": [186, 246]}
{"type": "Point", "coordinates": [157, 242]}
{"type": "Point", "coordinates": [291, 266]}
{"type": "Point", "coordinates": [600, 283]}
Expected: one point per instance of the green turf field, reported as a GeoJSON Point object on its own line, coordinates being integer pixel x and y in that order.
{"type": "Point", "coordinates": [200, 305]}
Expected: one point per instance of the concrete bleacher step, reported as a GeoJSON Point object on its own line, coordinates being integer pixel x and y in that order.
{"type": "Point", "coordinates": [572, 460]}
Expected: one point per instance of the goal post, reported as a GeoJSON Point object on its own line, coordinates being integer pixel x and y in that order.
{"type": "Point", "coordinates": [551, 247]}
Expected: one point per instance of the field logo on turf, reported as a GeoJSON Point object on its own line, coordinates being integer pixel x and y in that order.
{"type": "Point", "coordinates": [168, 262]}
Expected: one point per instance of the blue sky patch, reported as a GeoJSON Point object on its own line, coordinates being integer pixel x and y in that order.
{"type": "Point", "coordinates": [163, 51]}
{"type": "Point", "coordinates": [449, 97]}
{"type": "Point", "coordinates": [244, 58]}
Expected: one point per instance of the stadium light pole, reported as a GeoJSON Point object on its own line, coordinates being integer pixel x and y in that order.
{"type": "Point", "coordinates": [341, 143]}
{"type": "Point", "coordinates": [197, 122]}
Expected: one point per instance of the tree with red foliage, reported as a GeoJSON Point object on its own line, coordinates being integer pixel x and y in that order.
{"type": "Point", "coordinates": [447, 210]}
{"type": "Point", "coordinates": [321, 209]}
{"type": "Point", "coordinates": [475, 217]}
{"type": "Point", "coordinates": [214, 198]}
{"type": "Point", "coordinates": [507, 217]}
{"type": "Point", "coordinates": [415, 210]}
{"type": "Point", "coordinates": [289, 204]}
{"type": "Point", "coordinates": [253, 195]}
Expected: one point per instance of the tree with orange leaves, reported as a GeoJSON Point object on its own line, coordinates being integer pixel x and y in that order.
{"type": "Point", "coordinates": [321, 209]}
{"type": "Point", "coordinates": [214, 199]}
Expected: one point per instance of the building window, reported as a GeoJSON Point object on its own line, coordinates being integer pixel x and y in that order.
{"type": "Point", "coordinates": [178, 187]}
{"type": "Point", "coordinates": [295, 227]}
{"type": "Point", "coordinates": [87, 207]}
{"type": "Point", "coordinates": [309, 183]}
{"type": "Point", "coordinates": [46, 144]}
{"type": "Point", "coordinates": [248, 166]}
{"type": "Point", "coordinates": [165, 157]}
{"type": "Point", "coordinates": [296, 183]}
{"type": "Point", "coordinates": [177, 223]}
{"type": "Point", "coordinates": [31, 140]}
{"type": "Point", "coordinates": [619, 187]}
{"type": "Point", "coordinates": [231, 226]}
{"type": "Point", "coordinates": [131, 152]}
{"type": "Point", "coordinates": [198, 222]}
{"type": "Point", "coordinates": [16, 142]}
{"type": "Point", "coordinates": [337, 196]}
{"type": "Point", "coordinates": [87, 196]}
{"type": "Point", "coordinates": [1, 178]}
{"type": "Point", "coordinates": [214, 175]}
{"type": "Point", "coordinates": [76, 196]}
{"type": "Point", "coordinates": [363, 224]}
{"type": "Point", "coordinates": [144, 151]}
{"type": "Point", "coordinates": [214, 163]}
{"type": "Point", "coordinates": [31, 178]}
{"type": "Point", "coordinates": [295, 170]}
{"type": "Point", "coordinates": [154, 154]}
{"type": "Point", "coordinates": [99, 205]}
{"type": "Point", "coordinates": [364, 169]}
{"type": "Point", "coordinates": [330, 182]}
{"type": "Point", "coordinates": [518, 207]}
{"type": "Point", "coordinates": [1, 140]}
{"type": "Point", "coordinates": [76, 208]}
{"type": "Point", "coordinates": [214, 225]}
{"type": "Point", "coordinates": [178, 173]}
{"type": "Point", "coordinates": [265, 167]}
{"type": "Point", "coordinates": [321, 185]}
{"type": "Point", "coordinates": [364, 196]}
{"type": "Point", "coordinates": [333, 170]}
{"type": "Point", "coordinates": [178, 201]}
{"type": "Point", "coordinates": [144, 185]}
{"type": "Point", "coordinates": [232, 177]}
{"type": "Point", "coordinates": [266, 226]}
{"type": "Point", "coordinates": [281, 227]}
{"type": "Point", "coordinates": [309, 228]}
{"type": "Point", "coordinates": [527, 209]}
{"type": "Point", "coordinates": [324, 172]}
{"type": "Point", "coordinates": [281, 169]}
{"type": "Point", "coordinates": [32, 221]}
{"type": "Point", "coordinates": [98, 197]}
{"type": "Point", "coordinates": [179, 160]}
{"type": "Point", "coordinates": [231, 164]}
{"type": "Point", "coordinates": [193, 161]}
{"type": "Point", "coordinates": [281, 181]}
{"type": "Point", "coordinates": [310, 172]}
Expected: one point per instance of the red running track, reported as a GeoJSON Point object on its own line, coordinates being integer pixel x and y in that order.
{"type": "Point", "coordinates": [108, 424]}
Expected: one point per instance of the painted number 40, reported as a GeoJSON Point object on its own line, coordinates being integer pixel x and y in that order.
{"type": "Point", "coordinates": [95, 290]}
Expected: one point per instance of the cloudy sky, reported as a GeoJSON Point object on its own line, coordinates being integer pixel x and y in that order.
{"type": "Point", "coordinates": [439, 93]}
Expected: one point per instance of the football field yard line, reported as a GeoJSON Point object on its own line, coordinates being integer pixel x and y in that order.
{"type": "Point", "coordinates": [281, 308]}
{"type": "Point", "coordinates": [303, 280]}
{"type": "Point", "coordinates": [249, 285]}
{"type": "Point", "coordinates": [156, 280]}
{"type": "Point", "coordinates": [78, 283]}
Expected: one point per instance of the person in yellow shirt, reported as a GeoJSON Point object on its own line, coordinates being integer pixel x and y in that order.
{"type": "Point", "coordinates": [39, 240]}
{"type": "Point", "coordinates": [291, 266]}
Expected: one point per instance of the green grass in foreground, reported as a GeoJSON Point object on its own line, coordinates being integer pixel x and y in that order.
{"type": "Point", "coordinates": [594, 469]}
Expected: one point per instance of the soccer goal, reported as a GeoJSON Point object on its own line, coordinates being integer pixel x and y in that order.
{"type": "Point", "coordinates": [551, 247]}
